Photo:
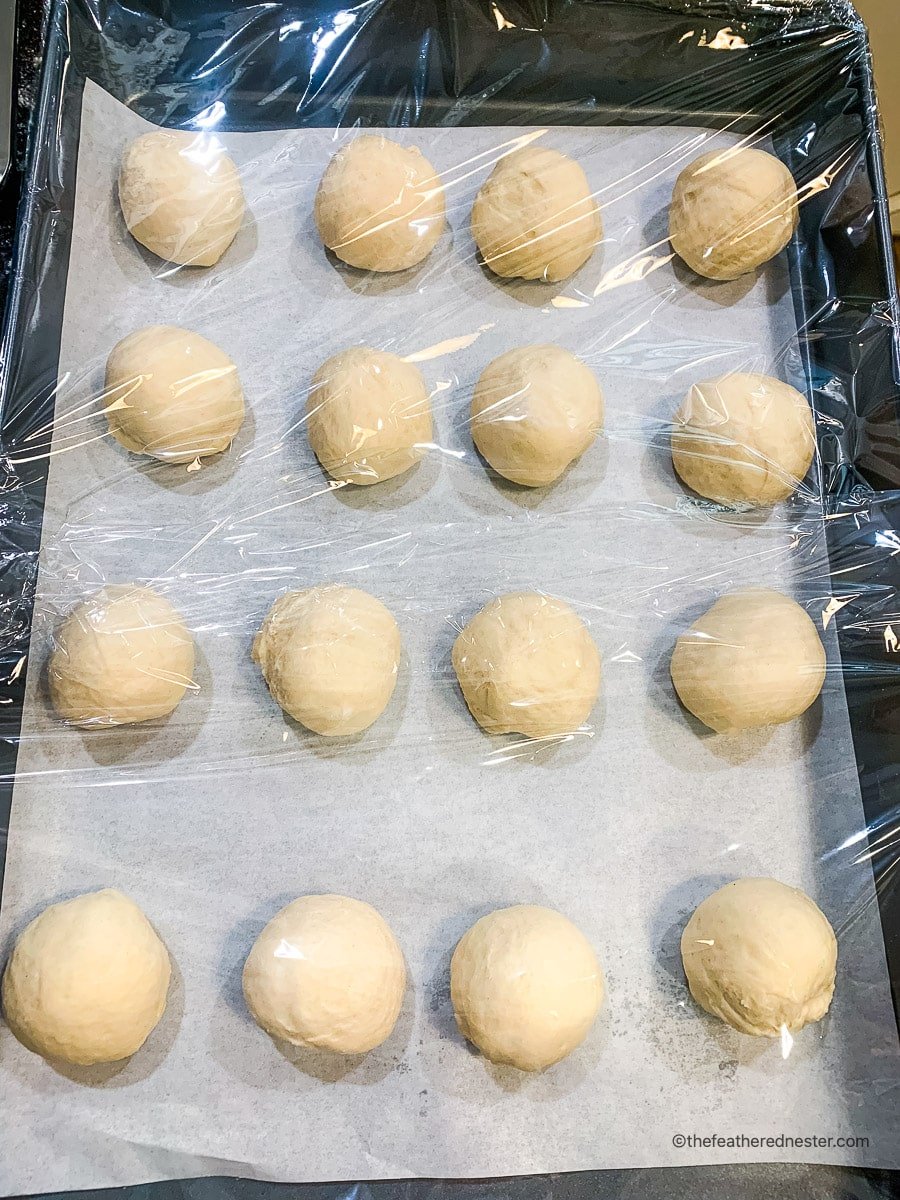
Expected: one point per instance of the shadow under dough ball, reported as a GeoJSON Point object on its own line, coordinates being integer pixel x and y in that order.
{"type": "Point", "coordinates": [181, 196]}
{"type": "Point", "coordinates": [534, 410]}
{"type": "Point", "coordinates": [731, 211]}
{"type": "Point", "coordinates": [535, 216]}
{"type": "Point", "coordinates": [761, 956]}
{"type": "Point", "coordinates": [527, 664]}
{"type": "Point", "coordinates": [122, 656]}
{"type": "Point", "coordinates": [755, 658]}
{"type": "Point", "coordinates": [526, 986]}
{"type": "Point", "coordinates": [380, 206]}
{"type": "Point", "coordinates": [745, 439]}
{"type": "Point", "coordinates": [87, 980]}
{"type": "Point", "coordinates": [368, 416]}
{"type": "Point", "coordinates": [172, 394]}
{"type": "Point", "coordinates": [330, 656]}
{"type": "Point", "coordinates": [326, 972]}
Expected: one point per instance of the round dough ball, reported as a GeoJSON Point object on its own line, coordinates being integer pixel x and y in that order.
{"type": "Point", "coordinates": [329, 656]}
{"type": "Point", "coordinates": [122, 656]}
{"type": "Point", "coordinates": [526, 986]}
{"type": "Point", "coordinates": [534, 411]}
{"type": "Point", "coordinates": [752, 659]}
{"type": "Point", "coordinates": [87, 980]}
{"type": "Point", "coordinates": [527, 664]}
{"type": "Point", "coordinates": [743, 439]}
{"type": "Point", "coordinates": [181, 196]}
{"type": "Point", "coordinates": [535, 217]}
{"type": "Point", "coordinates": [172, 394]}
{"type": "Point", "coordinates": [761, 956]}
{"type": "Point", "coordinates": [380, 206]}
{"type": "Point", "coordinates": [326, 972]}
{"type": "Point", "coordinates": [368, 416]}
{"type": "Point", "coordinates": [732, 211]}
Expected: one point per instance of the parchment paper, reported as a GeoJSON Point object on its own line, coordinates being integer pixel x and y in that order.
{"type": "Point", "coordinates": [217, 817]}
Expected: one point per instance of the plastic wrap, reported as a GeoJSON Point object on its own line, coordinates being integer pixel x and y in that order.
{"type": "Point", "coordinates": [623, 812]}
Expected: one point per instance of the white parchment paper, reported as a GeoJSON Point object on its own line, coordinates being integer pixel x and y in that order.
{"type": "Point", "coordinates": [215, 818]}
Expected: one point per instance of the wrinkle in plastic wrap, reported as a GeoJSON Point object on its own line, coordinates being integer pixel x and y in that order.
{"type": "Point", "coordinates": [216, 817]}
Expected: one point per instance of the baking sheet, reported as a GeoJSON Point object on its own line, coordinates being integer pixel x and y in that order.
{"type": "Point", "coordinates": [217, 817]}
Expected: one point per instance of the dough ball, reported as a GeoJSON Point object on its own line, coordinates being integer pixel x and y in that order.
{"type": "Point", "coordinates": [527, 664]}
{"type": "Point", "coordinates": [326, 972]}
{"type": "Point", "coordinates": [526, 986]}
{"type": "Point", "coordinates": [380, 206]}
{"type": "Point", "coordinates": [122, 656]}
{"type": "Point", "coordinates": [368, 417]}
{"type": "Point", "coordinates": [743, 439]}
{"type": "Point", "coordinates": [732, 210]}
{"type": "Point", "coordinates": [752, 659]}
{"type": "Point", "coordinates": [535, 217]}
{"type": "Point", "coordinates": [329, 656]}
{"type": "Point", "coordinates": [534, 410]}
{"type": "Point", "coordinates": [172, 394]}
{"type": "Point", "coordinates": [761, 956]}
{"type": "Point", "coordinates": [87, 980]}
{"type": "Point", "coordinates": [181, 196]}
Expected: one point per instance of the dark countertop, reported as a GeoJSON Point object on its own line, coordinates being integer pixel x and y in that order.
{"type": "Point", "coordinates": [29, 33]}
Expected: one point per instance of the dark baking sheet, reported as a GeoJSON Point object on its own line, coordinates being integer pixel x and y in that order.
{"type": "Point", "coordinates": [603, 61]}
{"type": "Point", "coordinates": [26, 53]}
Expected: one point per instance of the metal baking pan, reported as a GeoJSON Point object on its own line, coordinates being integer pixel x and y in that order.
{"type": "Point", "coordinates": [604, 62]}
{"type": "Point", "coordinates": [7, 50]}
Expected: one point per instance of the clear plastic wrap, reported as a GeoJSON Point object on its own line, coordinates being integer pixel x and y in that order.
{"type": "Point", "coordinates": [537, 755]}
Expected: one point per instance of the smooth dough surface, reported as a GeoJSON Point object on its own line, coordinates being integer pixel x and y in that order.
{"type": "Point", "coordinates": [326, 972]}
{"type": "Point", "coordinates": [172, 394]}
{"type": "Point", "coordinates": [743, 439]}
{"type": "Point", "coordinates": [526, 986]}
{"type": "Point", "coordinates": [380, 206]}
{"type": "Point", "coordinates": [368, 417]}
{"type": "Point", "coordinates": [761, 956]}
{"type": "Point", "coordinates": [534, 410]}
{"type": "Point", "coordinates": [330, 656]}
{"type": "Point", "coordinates": [122, 656]}
{"type": "Point", "coordinates": [181, 196]}
{"type": "Point", "coordinates": [754, 658]}
{"type": "Point", "coordinates": [535, 217]}
{"type": "Point", "coordinates": [87, 980]}
{"type": "Point", "coordinates": [527, 664]}
{"type": "Point", "coordinates": [732, 211]}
